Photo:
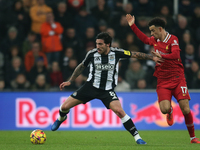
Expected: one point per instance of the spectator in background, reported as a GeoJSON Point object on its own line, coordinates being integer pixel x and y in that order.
{"type": "Point", "coordinates": [19, 18]}
{"type": "Point", "coordinates": [32, 56]}
{"type": "Point", "coordinates": [122, 28]}
{"type": "Point", "coordinates": [38, 15]}
{"type": "Point", "coordinates": [141, 84]}
{"type": "Point", "coordinates": [83, 20]}
{"type": "Point", "coordinates": [11, 40]}
{"type": "Point", "coordinates": [16, 67]}
{"type": "Point", "coordinates": [192, 75]}
{"type": "Point", "coordinates": [102, 26]}
{"type": "Point", "coordinates": [77, 83]}
{"type": "Point", "coordinates": [189, 56]}
{"type": "Point", "coordinates": [143, 8]}
{"type": "Point", "coordinates": [20, 83]}
{"type": "Point", "coordinates": [40, 84]}
{"type": "Point", "coordinates": [186, 8]}
{"type": "Point", "coordinates": [13, 52]}
{"type": "Point", "coordinates": [38, 68]}
{"type": "Point", "coordinates": [51, 41]}
{"type": "Point", "coordinates": [134, 73]}
{"type": "Point", "coordinates": [165, 13]}
{"type": "Point", "coordinates": [2, 65]}
{"type": "Point", "coordinates": [128, 41]}
{"type": "Point", "coordinates": [89, 36]}
{"type": "Point", "coordinates": [27, 4]}
{"type": "Point", "coordinates": [122, 85]}
{"type": "Point", "coordinates": [68, 70]}
{"type": "Point", "coordinates": [71, 40]}
{"type": "Point", "coordinates": [111, 31]}
{"type": "Point", "coordinates": [2, 85]}
{"type": "Point", "coordinates": [68, 54]}
{"type": "Point", "coordinates": [186, 39]}
{"type": "Point", "coordinates": [56, 75]}
{"type": "Point", "coordinates": [195, 21]}
{"type": "Point", "coordinates": [182, 27]}
{"type": "Point", "coordinates": [101, 11]}
{"type": "Point", "coordinates": [27, 44]}
{"type": "Point", "coordinates": [63, 16]}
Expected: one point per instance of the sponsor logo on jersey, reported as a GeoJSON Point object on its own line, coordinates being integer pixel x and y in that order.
{"type": "Point", "coordinates": [155, 44]}
{"type": "Point", "coordinates": [175, 43]}
{"type": "Point", "coordinates": [104, 66]}
{"type": "Point", "coordinates": [127, 52]}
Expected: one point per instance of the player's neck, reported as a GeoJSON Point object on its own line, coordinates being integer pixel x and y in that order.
{"type": "Point", "coordinates": [163, 36]}
{"type": "Point", "coordinates": [108, 50]}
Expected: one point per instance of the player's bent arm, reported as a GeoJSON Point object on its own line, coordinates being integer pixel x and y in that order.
{"type": "Point", "coordinates": [140, 55]}
{"type": "Point", "coordinates": [79, 69]}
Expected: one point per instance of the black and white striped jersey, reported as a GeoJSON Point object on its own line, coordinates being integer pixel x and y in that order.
{"type": "Point", "coordinates": [103, 72]}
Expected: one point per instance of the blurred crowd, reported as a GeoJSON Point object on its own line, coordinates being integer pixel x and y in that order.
{"type": "Point", "coordinates": [42, 41]}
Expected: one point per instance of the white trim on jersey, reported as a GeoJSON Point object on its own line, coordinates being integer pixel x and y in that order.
{"type": "Point", "coordinates": [167, 38]}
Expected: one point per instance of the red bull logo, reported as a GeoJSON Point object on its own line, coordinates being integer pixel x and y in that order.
{"type": "Point", "coordinates": [29, 115]}
{"type": "Point", "coordinates": [152, 114]}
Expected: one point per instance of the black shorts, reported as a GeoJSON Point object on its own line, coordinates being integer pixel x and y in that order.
{"type": "Point", "coordinates": [87, 93]}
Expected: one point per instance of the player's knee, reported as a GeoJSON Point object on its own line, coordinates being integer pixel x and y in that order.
{"type": "Point", "coordinates": [185, 110]}
{"type": "Point", "coordinates": [119, 112]}
{"type": "Point", "coordinates": [165, 110]}
{"type": "Point", "coordinates": [64, 108]}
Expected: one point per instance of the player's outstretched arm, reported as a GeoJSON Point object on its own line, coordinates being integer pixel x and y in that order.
{"type": "Point", "coordinates": [79, 69]}
{"type": "Point", "coordinates": [140, 55]}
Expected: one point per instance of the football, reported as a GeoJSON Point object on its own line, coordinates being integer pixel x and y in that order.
{"type": "Point", "coordinates": [38, 137]}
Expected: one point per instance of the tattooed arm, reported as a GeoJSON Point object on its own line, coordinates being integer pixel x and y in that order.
{"type": "Point", "coordinates": [140, 55]}
{"type": "Point", "coordinates": [79, 69]}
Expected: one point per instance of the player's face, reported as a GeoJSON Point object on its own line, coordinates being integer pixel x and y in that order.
{"type": "Point", "coordinates": [155, 31]}
{"type": "Point", "coordinates": [102, 47]}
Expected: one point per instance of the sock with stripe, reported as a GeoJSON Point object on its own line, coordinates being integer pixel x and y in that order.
{"type": "Point", "coordinates": [189, 124]}
{"type": "Point", "coordinates": [130, 127]}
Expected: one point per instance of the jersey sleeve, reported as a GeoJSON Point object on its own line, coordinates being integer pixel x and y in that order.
{"type": "Point", "coordinates": [175, 50]}
{"type": "Point", "coordinates": [87, 59]}
{"type": "Point", "coordinates": [121, 53]}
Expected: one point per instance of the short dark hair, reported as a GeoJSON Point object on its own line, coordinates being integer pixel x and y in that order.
{"type": "Point", "coordinates": [158, 22]}
{"type": "Point", "coordinates": [106, 37]}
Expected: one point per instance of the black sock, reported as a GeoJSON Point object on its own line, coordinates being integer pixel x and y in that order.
{"type": "Point", "coordinates": [130, 127]}
{"type": "Point", "coordinates": [62, 114]}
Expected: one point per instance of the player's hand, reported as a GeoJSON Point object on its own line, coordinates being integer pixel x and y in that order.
{"type": "Point", "coordinates": [130, 19]}
{"type": "Point", "coordinates": [158, 60]}
{"type": "Point", "coordinates": [156, 54]}
{"type": "Point", "coordinates": [62, 85]}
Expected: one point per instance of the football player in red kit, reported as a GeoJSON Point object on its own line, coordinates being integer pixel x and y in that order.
{"type": "Point", "coordinates": [170, 74]}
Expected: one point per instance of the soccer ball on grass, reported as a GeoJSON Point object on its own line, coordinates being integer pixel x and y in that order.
{"type": "Point", "coordinates": [38, 137]}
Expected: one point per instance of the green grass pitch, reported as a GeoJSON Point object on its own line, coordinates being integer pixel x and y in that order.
{"type": "Point", "coordinates": [99, 140]}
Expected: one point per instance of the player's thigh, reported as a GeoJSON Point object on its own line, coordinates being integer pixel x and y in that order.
{"type": "Point", "coordinates": [70, 102]}
{"type": "Point", "coordinates": [184, 105]}
{"type": "Point", "coordinates": [164, 99]}
{"type": "Point", "coordinates": [107, 97]}
{"type": "Point", "coordinates": [181, 91]}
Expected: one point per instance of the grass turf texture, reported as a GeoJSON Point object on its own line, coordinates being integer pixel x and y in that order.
{"type": "Point", "coordinates": [99, 140]}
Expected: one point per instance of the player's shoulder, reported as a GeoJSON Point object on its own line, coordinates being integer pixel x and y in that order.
{"type": "Point", "coordinates": [92, 51]}
{"type": "Point", "coordinates": [116, 49]}
{"type": "Point", "coordinates": [173, 40]}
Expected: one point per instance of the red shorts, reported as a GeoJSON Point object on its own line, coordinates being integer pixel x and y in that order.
{"type": "Point", "coordinates": [178, 89]}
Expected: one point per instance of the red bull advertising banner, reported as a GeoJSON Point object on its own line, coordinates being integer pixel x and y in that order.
{"type": "Point", "coordinates": [30, 110]}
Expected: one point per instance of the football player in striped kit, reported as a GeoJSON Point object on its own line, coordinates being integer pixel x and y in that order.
{"type": "Point", "coordinates": [103, 74]}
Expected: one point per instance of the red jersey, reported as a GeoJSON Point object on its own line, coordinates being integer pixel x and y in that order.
{"type": "Point", "coordinates": [172, 67]}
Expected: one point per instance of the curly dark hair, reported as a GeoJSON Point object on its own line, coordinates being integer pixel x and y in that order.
{"type": "Point", "coordinates": [158, 22]}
